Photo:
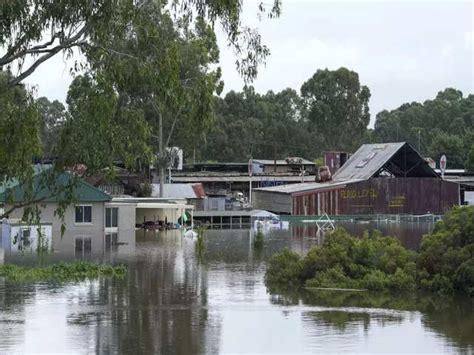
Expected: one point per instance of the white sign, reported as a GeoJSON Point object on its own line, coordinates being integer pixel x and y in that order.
{"type": "Point", "coordinates": [469, 197]}
{"type": "Point", "coordinates": [250, 167]}
{"type": "Point", "coordinates": [442, 164]}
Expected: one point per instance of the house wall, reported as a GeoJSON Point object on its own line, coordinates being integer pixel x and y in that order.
{"type": "Point", "coordinates": [73, 230]}
{"type": "Point", "coordinates": [381, 196]}
{"type": "Point", "coordinates": [126, 215]}
{"type": "Point", "coordinates": [272, 201]}
{"type": "Point", "coordinates": [215, 203]}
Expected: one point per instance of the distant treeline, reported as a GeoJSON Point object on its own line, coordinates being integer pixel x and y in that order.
{"type": "Point", "coordinates": [331, 112]}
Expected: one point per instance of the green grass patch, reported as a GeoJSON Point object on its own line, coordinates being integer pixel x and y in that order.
{"type": "Point", "coordinates": [72, 271]}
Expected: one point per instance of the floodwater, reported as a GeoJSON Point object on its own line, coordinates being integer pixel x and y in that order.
{"type": "Point", "coordinates": [177, 300]}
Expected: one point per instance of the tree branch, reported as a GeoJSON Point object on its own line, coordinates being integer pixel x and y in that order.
{"type": "Point", "coordinates": [71, 42]}
{"type": "Point", "coordinates": [10, 57]}
{"type": "Point", "coordinates": [172, 127]}
{"type": "Point", "coordinates": [20, 205]}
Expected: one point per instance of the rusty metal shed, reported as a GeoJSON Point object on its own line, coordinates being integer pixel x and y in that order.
{"type": "Point", "coordinates": [387, 178]}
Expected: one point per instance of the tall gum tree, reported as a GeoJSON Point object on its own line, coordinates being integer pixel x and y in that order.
{"type": "Point", "coordinates": [338, 106]}
{"type": "Point", "coordinates": [33, 31]}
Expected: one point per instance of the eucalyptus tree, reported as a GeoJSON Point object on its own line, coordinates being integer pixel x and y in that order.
{"type": "Point", "coordinates": [53, 115]}
{"type": "Point", "coordinates": [136, 54]}
{"type": "Point", "coordinates": [19, 129]}
{"type": "Point", "coordinates": [166, 69]}
{"type": "Point", "coordinates": [338, 106]}
{"type": "Point", "coordinates": [443, 125]}
{"type": "Point", "coordinates": [33, 31]}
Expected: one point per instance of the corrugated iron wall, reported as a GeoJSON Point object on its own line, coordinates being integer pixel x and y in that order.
{"type": "Point", "coordinates": [381, 196]}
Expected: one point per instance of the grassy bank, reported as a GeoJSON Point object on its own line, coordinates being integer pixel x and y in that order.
{"type": "Point", "coordinates": [61, 272]}
{"type": "Point", "coordinates": [444, 263]}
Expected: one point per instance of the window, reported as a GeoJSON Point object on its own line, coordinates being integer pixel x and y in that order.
{"type": "Point", "coordinates": [83, 246]}
{"type": "Point", "coordinates": [26, 237]}
{"type": "Point", "coordinates": [111, 217]}
{"type": "Point", "coordinates": [111, 241]}
{"type": "Point", "coordinates": [83, 214]}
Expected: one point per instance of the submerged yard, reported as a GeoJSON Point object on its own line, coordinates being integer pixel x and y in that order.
{"type": "Point", "coordinates": [175, 300]}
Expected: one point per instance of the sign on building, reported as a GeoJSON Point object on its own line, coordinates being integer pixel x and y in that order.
{"type": "Point", "coordinates": [442, 164]}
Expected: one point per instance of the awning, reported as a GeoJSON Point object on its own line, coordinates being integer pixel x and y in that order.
{"type": "Point", "coordinates": [168, 206]}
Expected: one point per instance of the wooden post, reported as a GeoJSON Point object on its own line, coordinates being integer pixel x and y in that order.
{"type": "Point", "coordinates": [274, 157]}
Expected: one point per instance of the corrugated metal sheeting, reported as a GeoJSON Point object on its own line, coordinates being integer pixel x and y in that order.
{"type": "Point", "coordinates": [389, 178]}
{"type": "Point", "coordinates": [396, 159]}
{"type": "Point", "coordinates": [380, 196]}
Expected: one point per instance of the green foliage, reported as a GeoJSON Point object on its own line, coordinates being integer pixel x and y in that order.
{"type": "Point", "coordinates": [469, 163]}
{"type": "Point", "coordinates": [319, 162]}
{"type": "Point", "coordinates": [284, 269]}
{"type": "Point", "coordinates": [52, 115]}
{"type": "Point", "coordinates": [259, 241]}
{"type": "Point", "coordinates": [285, 124]}
{"type": "Point", "coordinates": [35, 30]}
{"type": "Point", "coordinates": [337, 103]}
{"type": "Point", "coordinates": [248, 124]}
{"type": "Point", "coordinates": [19, 130]}
{"type": "Point", "coordinates": [445, 261]}
{"type": "Point", "coordinates": [444, 125]}
{"type": "Point", "coordinates": [144, 60]}
{"type": "Point", "coordinates": [61, 272]}
{"type": "Point", "coordinates": [144, 190]}
{"type": "Point", "coordinates": [373, 262]}
{"type": "Point", "coordinates": [200, 242]}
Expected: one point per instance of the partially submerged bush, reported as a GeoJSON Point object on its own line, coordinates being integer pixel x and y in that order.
{"type": "Point", "coordinates": [61, 272]}
{"type": "Point", "coordinates": [284, 268]}
{"type": "Point", "coordinates": [446, 258]}
{"type": "Point", "coordinates": [445, 262]}
{"type": "Point", "coordinates": [343, 261]}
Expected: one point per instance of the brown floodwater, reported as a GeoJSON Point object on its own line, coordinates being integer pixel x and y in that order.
{"type": "Point", "coordinates": [179, 300]}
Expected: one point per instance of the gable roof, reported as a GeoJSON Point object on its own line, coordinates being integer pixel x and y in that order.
{"type": "Point", "coordinates": [396, 159]}
{"type": "Point", "coordinates": [50, 186]}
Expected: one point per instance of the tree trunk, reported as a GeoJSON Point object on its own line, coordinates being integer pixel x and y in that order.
{"type": "Point", "coordinates": [161, 154]}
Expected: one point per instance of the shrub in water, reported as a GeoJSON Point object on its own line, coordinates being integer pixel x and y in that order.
{"type": "Point", "coordinates": [343, 261]}
{"type": "Point", "coordinates": [284, 268]}
{"type": "Point", "coordinates": [445, 261]}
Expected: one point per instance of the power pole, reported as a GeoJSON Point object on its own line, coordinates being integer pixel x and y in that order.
{"type": "Point", "coordinates": [274, 157]}
{"type": "Point", "coordinates": [161, 153]}
{"type": "Point", "coordinates": [419, 141]}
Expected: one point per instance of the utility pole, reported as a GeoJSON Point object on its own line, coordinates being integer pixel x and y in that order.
{"type": "Point", "coordinates": [419, 141]}
{"type": "Point", "coordinates": [161, 153]}
{"type": "Point", "coordinates": [274, 157]}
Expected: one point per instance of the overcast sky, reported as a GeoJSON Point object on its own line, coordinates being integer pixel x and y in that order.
{"type": "Point", "coordinates": [404, 51]}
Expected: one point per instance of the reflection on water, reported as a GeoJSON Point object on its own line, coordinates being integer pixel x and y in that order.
{"type": "Point", "coordinates": [172, 303]}
{"type": "Point", "coordinates": [409, 233]}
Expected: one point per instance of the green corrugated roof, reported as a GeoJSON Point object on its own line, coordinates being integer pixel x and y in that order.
{"type": "Point", "coordinates": [13, 191]}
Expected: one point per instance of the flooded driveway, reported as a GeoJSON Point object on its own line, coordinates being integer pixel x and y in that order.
{"type": "Point", "coordinates": [175, 301]}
